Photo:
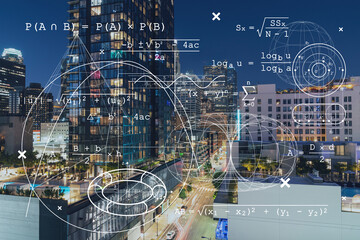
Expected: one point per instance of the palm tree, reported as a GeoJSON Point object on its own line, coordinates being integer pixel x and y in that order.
{"type": "Point", "coordinates": [249, 165]}
{"type": "Point", "coordinates": [340, 168]}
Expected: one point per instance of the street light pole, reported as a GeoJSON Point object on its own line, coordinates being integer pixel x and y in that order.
{"type": "Point", "coordinates": [157, 227]}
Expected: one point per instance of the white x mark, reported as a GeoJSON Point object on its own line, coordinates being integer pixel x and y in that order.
{"type": "Point", "coordinates": [59, 208]}
{"type": "Point", "coordinates": [343, 198]}
{"type": "Point", "coordinates": [102, 51]}
{"type": "Point", "coordinates": [216, 16]}
{"type": "Point", "coordinates": [22, 154]}
{"type": "Point", "coordinates": [285, 182]}
{"type": "Point", "coordinates": [341, 29]}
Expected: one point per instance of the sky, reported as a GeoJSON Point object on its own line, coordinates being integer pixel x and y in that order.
{"type": "Point", "coordinates": [219, 40]}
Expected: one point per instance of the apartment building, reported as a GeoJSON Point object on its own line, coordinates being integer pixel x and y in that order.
{"type": "Point", "coordinates": [330, 118]}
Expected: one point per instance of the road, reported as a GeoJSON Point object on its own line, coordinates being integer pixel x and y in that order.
{"type": "Point", "coordinates": [192, 225]}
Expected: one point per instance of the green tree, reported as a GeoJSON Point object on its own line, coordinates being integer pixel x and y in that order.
{"type": "Point", "coordinates": [215, 194]}
{"type": "Point", "coordinates": [189, 187]}
{"type": "Point", "coordinates": [4, 191]}
{"type": "Point", "coordinates": [217, 179]}
{"type": "Point", "coordinates": [111, 166]}
{"type": "Point", "coordinates": [182, 194]}
{"type": "Point", "coordinates": [302, 166]}
{"type": "Point", "coordinates": [207, 166]}
{"type": "Point", "coordinates": [322, 167]}
{"type": "Point", "coordinates": [340, 167]}
{"type": "Point", "coordinates": [48, 193]}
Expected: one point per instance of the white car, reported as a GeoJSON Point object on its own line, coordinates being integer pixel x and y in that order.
{"type": "Point", "coordinates": [170, 235]}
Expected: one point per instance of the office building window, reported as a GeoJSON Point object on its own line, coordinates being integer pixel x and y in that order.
{"type": "Point", "coordinates": [340, 150]}
{"type": "Point", "coordinates": [347, 99]}
{"type": "Point", "coordinates": [95, 11]}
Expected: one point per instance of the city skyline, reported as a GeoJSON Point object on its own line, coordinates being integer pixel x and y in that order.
{"type": "Point", "coordinates": [182, 120]}
{"type": "Point", "coordinates": [219, 43]}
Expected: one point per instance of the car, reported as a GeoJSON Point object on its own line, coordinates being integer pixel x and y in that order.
{"type": "Point", "coordinates": [170, 235]}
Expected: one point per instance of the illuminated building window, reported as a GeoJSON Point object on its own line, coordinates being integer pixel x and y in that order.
{"type": "Point", "coordinates": [116, 45]}
{"type": "Point", "coordinates": [116, 35]}
{"type": "Point", "coordinates": [95, 11]}
{"type": "Point", "coordinates": [95, 38]}
{"type": "Point", "coordinates": [96, 2]}
{"type": "Point", "coordinates": [116, 17]}
{"type": "Point", "coordinates": [117, 82]}
{"type": "Point", "coordinates": [76, 15]}
{"type": "Point", "coordinates": [340, 150]}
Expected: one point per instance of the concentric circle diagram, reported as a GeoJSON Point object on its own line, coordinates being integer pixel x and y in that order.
{"type": "Point", "coordinates": [288, 41]}
{"type": "Point", "coordinates": [127, 197]}
{"type": "Point", "coordinates": [316, 67]}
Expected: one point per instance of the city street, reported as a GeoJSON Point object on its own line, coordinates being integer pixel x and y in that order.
{"type": "Point", "coordinates": [190, 224]}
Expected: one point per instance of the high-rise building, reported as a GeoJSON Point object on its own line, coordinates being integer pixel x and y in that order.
{"type": "Point", "coordinates": [135, 130]}
{"type": "Point", "coordinates": [222, 88]}
{"type": "Point", "coordinates": [16, 101]}
{"type": "Point", "coordinates": [12, 55]}
{"type": "Point", "coordinates": [39, 104]}
{"type": "Point", "coordinates": [231, 86]}
{"type": "Point", "coordinates": [5, 91]}
{"type": "Point", "coordinates": [12, 69]}
{"type": "Point", "coordinates": [189, 99]}
{"type": "Point", "coordinates": [12, 82]}
{"type": "Point", "coordinates": [214, 81]}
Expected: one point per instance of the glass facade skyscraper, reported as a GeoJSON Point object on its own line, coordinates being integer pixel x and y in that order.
{"type": "Point", "coordinates": [222, 89]}
{"type": "Point", "coordinates": [39, 104]}
{"type": "Point", "coordinates": [112, 103]}
{"type": "Point", "coordinates": [12, 82]}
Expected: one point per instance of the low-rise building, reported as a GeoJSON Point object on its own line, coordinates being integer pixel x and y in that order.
{"type": "Point", "coordinates": [11, 132]}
